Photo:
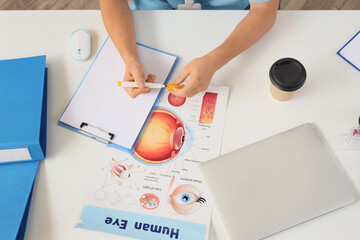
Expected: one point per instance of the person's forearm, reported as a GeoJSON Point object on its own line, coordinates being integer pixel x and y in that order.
{"type": "Point", "coordinates": [258, 21]}
{"type": "Point", "coordinates": [119, 23]}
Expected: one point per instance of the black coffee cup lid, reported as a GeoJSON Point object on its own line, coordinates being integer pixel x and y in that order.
{"type": "Point", "coordinates": [287, 74]}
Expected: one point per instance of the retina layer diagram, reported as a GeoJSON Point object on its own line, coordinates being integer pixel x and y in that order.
{"type": "Point", "coordinates": [159, 178]}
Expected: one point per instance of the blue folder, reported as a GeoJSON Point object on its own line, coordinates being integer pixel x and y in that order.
{"type": "Point", "coordinates": [23, 95]}
{"type": "Point", "coordinates": [16, 184]}
{"type": "Point", "coordinates": [23, 104]}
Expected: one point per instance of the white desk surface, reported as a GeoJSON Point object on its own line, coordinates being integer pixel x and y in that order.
{"type": "Point", "coordinates": [330, 98]}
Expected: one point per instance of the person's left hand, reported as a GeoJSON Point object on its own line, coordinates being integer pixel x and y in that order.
{"type": "Point", "coordinates": [200, 71]}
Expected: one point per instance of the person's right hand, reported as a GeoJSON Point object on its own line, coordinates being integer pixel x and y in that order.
{"type": "Point", "coordinates": [135, 72]}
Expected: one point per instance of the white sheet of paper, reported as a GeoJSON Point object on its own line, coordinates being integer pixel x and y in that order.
{"type": "Point", "coordinates": [145, 193]}
{"type": "Point", "coordinates": [101, 103]}
{"type": "Point", "coordinates": [352, 51]}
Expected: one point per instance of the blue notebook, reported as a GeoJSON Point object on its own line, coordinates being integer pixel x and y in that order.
{"type": "Point", "coordinates": [102, 110]}
{"type": "Point", "coordinates": [16, 185]}
{"type": "Point", "coordinates": [350, 52]}
{"type": "Point", "coordinates": [23, 95]}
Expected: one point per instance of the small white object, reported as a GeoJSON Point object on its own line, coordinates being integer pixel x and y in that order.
{"type": "Point", "coordinates": [189, 5]}
{"type": "Point", "coordinates": [80, 45]}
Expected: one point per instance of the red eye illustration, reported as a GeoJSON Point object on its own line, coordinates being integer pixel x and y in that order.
{"type": "Point", "coordinates": [162, 138]}
{"type": "Point", "coordinates": [149, 201]}
{"type": "Point", "coordinates": [176, 101]}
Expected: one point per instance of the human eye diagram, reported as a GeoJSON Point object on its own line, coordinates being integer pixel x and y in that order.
{"type": "Point", "coordinates": [159, 176]}
{"type": "Point", "coordinates": [162, 138]}
{"type": "Point", "coordinates": [188, 198]}
{"type": "Point", "coordinates": [185, 199]}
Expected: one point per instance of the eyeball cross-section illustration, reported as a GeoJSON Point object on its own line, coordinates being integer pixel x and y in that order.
{"type": "Point", "coordinates": [162, 138]}
{"type": "Point", "coordinates": [121, 171]}
{"type": "Point", "coordinates": [149, 201]}
{"type": "Point", "coordinates": [185, 199]}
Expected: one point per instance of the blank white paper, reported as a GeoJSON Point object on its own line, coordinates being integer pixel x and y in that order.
{"type": "Point", "coordinates": [352, 51]}
{"type": "Point", "coordinates": [101, 103]}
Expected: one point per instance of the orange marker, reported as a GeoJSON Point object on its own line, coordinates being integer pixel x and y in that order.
{"type": "Point", "coordinates": [150, 85]}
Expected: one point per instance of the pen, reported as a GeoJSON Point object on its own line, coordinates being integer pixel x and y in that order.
{"type": "Point", "coordinates": [150, 85]}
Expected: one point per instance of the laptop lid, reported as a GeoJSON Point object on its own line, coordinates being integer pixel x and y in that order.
{"type": "Point", "coordinates": [275, 184]}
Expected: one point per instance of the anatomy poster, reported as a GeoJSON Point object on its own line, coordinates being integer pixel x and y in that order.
{"type": "Point", "coordinates": [156, 192]}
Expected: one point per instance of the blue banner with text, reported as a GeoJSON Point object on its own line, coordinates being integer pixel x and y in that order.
{"type": "Point", "coordinates": [139, 226]}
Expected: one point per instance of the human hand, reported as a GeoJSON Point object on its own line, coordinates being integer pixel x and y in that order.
{"type": "Point", "coordinates": [200, 71]}
{"type": "Point", "coordinates": [135, 72]}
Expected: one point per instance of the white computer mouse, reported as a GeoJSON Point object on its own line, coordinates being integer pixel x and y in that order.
{"type": "Point", "coordinates": [80, 45]}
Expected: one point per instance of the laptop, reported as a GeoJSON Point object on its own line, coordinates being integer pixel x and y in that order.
{"type": "Point", "coordinates": [275, 184]}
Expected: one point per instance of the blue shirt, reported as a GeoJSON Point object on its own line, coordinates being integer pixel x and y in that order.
{"type": "Point", "coordinates": [205, 4]}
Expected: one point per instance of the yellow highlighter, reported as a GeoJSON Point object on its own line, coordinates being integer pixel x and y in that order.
{"type": "Point", "coordinates": [150, 85]}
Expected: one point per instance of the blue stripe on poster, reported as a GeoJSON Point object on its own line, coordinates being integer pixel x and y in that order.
{"type": "Point", "coordinates": [139, 226]}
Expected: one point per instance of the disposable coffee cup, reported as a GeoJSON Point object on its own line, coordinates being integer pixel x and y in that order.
{"type": "Point", "coordinates": [287, 75]}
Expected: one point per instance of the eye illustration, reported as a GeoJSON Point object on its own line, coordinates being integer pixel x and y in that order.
{"type": "Point", "coordinates": [149, 201]}
{"type": "Point", "coordinates": [176, 101]}
{"type": "Point", "coordinates": [120, 171]}
{"type": "Point", "coordinates": [185, 199]}
{"type": "Point", "coordinates": [162, 138]}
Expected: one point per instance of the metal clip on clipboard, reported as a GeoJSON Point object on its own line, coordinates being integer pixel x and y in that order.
{"type": "Point", "coordinates": [96, 132]}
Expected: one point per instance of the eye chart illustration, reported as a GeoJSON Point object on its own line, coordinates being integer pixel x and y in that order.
{"type": "Point", "coordinates": [156, 192]}
{"type": "Point", "coordinates": [185, 198]}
